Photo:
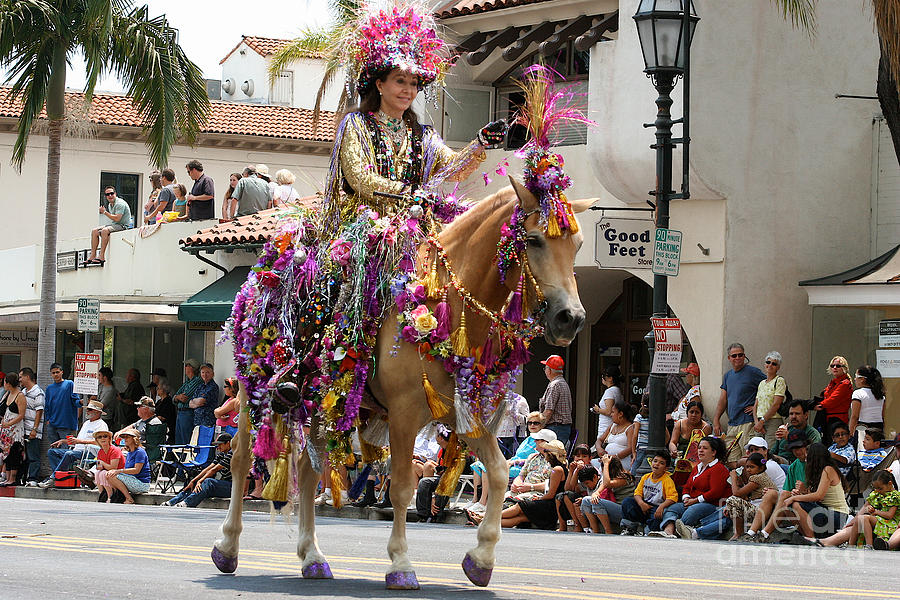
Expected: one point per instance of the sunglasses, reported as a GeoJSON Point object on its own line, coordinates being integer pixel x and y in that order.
{"type": "Point", "coordinates": [837, 366]}
{"type": "Point", "coordinates": [739, 355]}
{"type": "Point", "coordinates": [772, 362]}
{"type": "Point", "coordinates": [533, 423]}
{"type": "Point", "coordinates": [109, 194]}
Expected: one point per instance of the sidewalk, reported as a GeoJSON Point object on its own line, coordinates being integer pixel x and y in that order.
{"type": "Point", "coordinates": [455, 517]}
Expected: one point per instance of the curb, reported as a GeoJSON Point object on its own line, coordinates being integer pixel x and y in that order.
{"type": "Point", "coordinates": [454, 517]}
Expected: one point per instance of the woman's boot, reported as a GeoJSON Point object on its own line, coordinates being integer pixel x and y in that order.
{"type": "Point", "coordinates": [368, 498]}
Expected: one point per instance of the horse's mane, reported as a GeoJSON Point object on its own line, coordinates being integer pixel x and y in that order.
{"type": "Point", "coordinates": [480, 213]}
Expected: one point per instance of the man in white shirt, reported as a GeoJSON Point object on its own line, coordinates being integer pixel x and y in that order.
{"type": "Point", "coordinates": [62, 457]}
{"type": "Point", "coordinates": [516, 413]}
{"type": "Point", "coordinates": [34, 421]}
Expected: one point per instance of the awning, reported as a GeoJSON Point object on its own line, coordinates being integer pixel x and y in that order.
{"type": "Point", "coordinates": [875, 283]}
{"type": "Point", "coordinates": [214, 302]}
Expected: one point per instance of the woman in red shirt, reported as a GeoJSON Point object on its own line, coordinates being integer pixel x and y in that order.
{"type": "Point", "coordinates": [836, 398]}
{"type": "Point", "coordinates": [706, 487]}
{"type": "Point", "coordinates": [108, 458]}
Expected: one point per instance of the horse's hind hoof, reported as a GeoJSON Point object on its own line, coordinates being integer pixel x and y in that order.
{"type": "Point", "coordinates": [477, 575]}
{"type": "Point", "coordinates": [317, 570]}
{"type": "Point", "coordinates": [226, 564]}
{"type": "Point", "coordinates": [401, 580]}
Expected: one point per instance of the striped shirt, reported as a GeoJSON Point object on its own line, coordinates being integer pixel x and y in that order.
{"type": "Point", "coordinates": [558, 399]}
{"type": "Point", "coordinates": [34, 401]}
{"type": "Point", "coordinates": [223, 459]}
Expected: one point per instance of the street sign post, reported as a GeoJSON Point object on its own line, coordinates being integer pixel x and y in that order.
{"type": "Point", "coordinates": [667, 252]}
{"type": "Point", "coordinates": [667, 356]}
{"type": "Point", "coordinates": [88, 314]}
{"type": "Point", "coordinates": [87, 373]}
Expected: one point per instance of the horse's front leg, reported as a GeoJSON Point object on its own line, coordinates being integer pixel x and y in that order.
{"type": "Point", "coordinates": [225, 549]}
{"type": "Point", "coordinates": [479, 561]}
{"type": "Point", "coordinates": [401, 575]}
{"type": "Point", "coordinates": [312, 562]}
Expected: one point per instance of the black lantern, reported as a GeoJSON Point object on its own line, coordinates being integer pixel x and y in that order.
{"type": "Point", "coordinates": [660, 26]}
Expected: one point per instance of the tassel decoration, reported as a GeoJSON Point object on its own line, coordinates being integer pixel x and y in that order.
{"type": "Point", "coordinates": [465, 422]}
{"type": "Point", "coordinates": [500, 412]}
{"type": "Point", "coordinates": [488, 357]}
{"type": "Point", "coordinates": [553, 230]}
{"type": "Point", "coordinates": [337, 483]}
{"type": "Point", "coordinates": [267, 446]}
{"type": "Point", "coordinates": [519, 354]}
{"type": "Point", "coordinates": [513, 312]}
{"type": "Point", "coordinates": [431, 282]}
{"type": "Point", "coordinates": [376, 432]}
{"type": "Point", "coordinates": [460, 338]}
{"type": "Point", "coordinates": [454, 460]}
{"type": "Point", "coordinates": [276, 489]}
{"type": "Point", "coordinates": [442, 314]}
{"type": "Point", "coordinates": [438, 409]}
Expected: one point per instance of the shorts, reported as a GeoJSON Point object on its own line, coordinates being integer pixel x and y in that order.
{"type": "Point", "coordinates": [740, 508]}
{"type": "Point", "coordinates": [134, 485]}
{"type": "Point", "coordinates": [746, 431]}
{"type": "Point", "coordinates": [825, 521]}
{"type": "Point", "coordinates": [114, 227]}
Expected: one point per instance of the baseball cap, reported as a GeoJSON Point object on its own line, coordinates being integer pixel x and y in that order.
{"type": "Point", "coordinates": [548, 435]}
{"type": "Point", "coordinates": [193, 362]}
{"type": "Point", "coordinates": [223, 438]}
{"type": "Point", "coordinates": [757, 442]}
{"type": "Point", "coordinates": [147, 401]}
{"type": "Point", "coordinates": [554, 361]}
{"type": "Point", "coordinates": [693, 369]}
{"type": "Point", "coordinates": [797, 439]}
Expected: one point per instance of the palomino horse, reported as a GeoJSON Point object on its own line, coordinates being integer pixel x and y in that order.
{"type": "Point", "coordinates": [470, 244]}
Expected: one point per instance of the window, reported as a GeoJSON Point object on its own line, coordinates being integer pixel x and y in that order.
{"type": "Point", "coordinates": [283, 89]}
{"type": "Point", "coordinates": [572, 65]}
{"type": "Point", "coordinates": [128, 188]}
{"type": "Point", "coordinates": [466, 110]}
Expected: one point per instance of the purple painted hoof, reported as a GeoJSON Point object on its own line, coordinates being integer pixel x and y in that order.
{"type": "Point", "coordinates": [401, 580]}
{"type": "Point", "coordinates": [317, 570]}
{"type": "Point", "coordinates": [477, 575]}
{"type": "Point", "coordinates": [226, 564]}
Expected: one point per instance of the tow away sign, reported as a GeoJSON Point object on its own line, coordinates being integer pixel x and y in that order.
{"type": "Point", "coordinates": [667, 356]}
{"type": "Point", "coordinates": [87, 369]}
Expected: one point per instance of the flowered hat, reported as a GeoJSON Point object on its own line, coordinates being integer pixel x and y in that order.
{"type": "Point", "coordinates": [393, 35]}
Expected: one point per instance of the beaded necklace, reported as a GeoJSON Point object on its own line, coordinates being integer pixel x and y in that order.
{"type": "Point", "coordinates": [385, 156]}
{"type": "Point", "coordinates": [393, 128]}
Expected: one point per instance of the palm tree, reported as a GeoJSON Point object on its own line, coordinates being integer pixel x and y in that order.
{"type": "Point", "coordinates": [802, 14]}
{"type": "Point", "coordinates": [37, 40]}
{"type": "Point", "coordinates": [320, 43]}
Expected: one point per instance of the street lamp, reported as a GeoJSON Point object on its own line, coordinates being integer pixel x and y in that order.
{"type": "Point", "coordinates": [665, 30]}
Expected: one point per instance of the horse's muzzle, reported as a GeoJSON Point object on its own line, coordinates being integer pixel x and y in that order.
{"type": "Point", "coordinates": [562, 324]}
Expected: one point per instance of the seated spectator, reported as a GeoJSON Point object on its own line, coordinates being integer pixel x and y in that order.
{"type": "Point", "coordinates": [227, 414]}
{"type": "Point", "coordinates": [165, 408]}
{"type": "Point", "coordinates": [772, 504]}
{"type": "Point", "coordinates": [203, 193]}
{"type": "Point", "coordinates": [65, 453]}
{"type": "Point", "coordinates": [842, 451]}
{"type": "Point", "coordinates": [108, 396]}
{"type": "Point", "coordinates": [798, 418]}
{"type": "Point", "coordinates": [879, 516]}
{"type": "Point", "coordinates": [251, 194]}
{"type": "Point", "coordinates": [430, 506]}
{"type": "Point", "coordinates": [604, 506]}
{"type": "Point", "coordinates": [109, 458]}
{"type": "Point", "coordinates": [823, 507]}
{"type": "Point", "coordinates": [536, 500]}
{"type": "Point", "coordinates": [228, 202]}
{"type": "Point", "coordinates": [146, 416]}
{"type": "Point", "coordinates": [773, 468]}
{"type": "Point", "coordinates": [284, 192]}
{"type": "Point", "coordinates": [653, 495]}
{"type": "Point", "coordinates": [426, 451]}
{"type": "Point", "coordinates": [12, 430]}
{"type": "Point", "coordinates": [212, 482]}
{"type": "Point", "coordinates": [641, 438]}
{"type": "Point", "coordinates": [872, 453]}
{"type": "Point", "coordinates": [126, 410]}
{"type": "Point", "coordinates": [706, 486]}
{"type": "Point", "coordinates": [684, 429]}
{"type": "Point", "coordinates": [164, 201]}
{"type": "Point", "coordinates": [206, 398]}
{"type": "Point", "coordinates": [747, 489]}
{"type": "Point", "coordinates": [181, 206]}
{"type": "Point", "coordinates": [114, 216]}
{"type": "Point", "coordinates": [618, 440]}
{"type": "Point", "coordinates": [135, 477]}
{"type": "Point", "coordinates": [568, 502]}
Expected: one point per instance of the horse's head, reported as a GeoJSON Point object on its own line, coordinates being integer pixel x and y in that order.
{"type": "Point", "coordinates": [552, 262]}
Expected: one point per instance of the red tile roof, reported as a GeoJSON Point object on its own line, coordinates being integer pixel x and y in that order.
{"type": "Point", "coordinates": [235, 118]}
{"type": "Point", "coordinates": [459, 8]}
{"type": "Point", "coordinates": [263, 46]}
{"type": "Point", "coordinates": [252, 229]}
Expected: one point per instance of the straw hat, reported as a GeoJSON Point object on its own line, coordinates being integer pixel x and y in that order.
{"type": "Point", "coordinates": [557, 448]}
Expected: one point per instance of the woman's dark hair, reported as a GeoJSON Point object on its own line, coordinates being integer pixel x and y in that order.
{"type": "Point", "coordinates": [614, 373]}
{"type": "Point", "coordinates": [370, 102]}
{"type": "Point", "coordinates": [663, 455]}
{"type": "Point", "coordinates": [12, 379]}
{"type": "Point", "coordinates": [839, 425]}
{"type": "Point", "coordinates": [876, 434]}
{"type": "Point", "coordinates": [106, 372]}
{"type": "Point", "coordinates": [817, 458]}
{"type": "Point", "coordinates": [717, 445]}
{"type": "Point", "coordinates": [587, 473]}
{"type": "Point", "coordinates": [616, 470]}
{"type": "Point", "coordinates": [626, 409]}
{"type": "Point", "coordinates": [581, 448]}
{"type": "Point", "coordinates": [757, 459]}
{"type": "Point", "coordinates": [554, 460]}
{"type": "Point", "coordinates": [692, 404]}
{"type": "Point", "coordinates": [230, 189]}
{"type": "Point", "coordinates": [884, 476]}
{"type": "Point", "coordinates": [873, 380]}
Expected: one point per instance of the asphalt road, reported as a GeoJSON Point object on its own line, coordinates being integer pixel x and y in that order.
{"type": "Point", "coordinates": [61, 549]}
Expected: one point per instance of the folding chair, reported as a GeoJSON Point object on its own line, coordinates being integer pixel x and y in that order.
{"type": "Point", "coordinates": [465, 482]}
{"type": "Point", "coordinates": [570, 445]}
{"type": "Point", "coordinates": [186, 460]}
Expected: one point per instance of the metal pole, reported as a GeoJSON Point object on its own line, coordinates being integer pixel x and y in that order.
{"type": "Point", "coordinates": [664, 84]}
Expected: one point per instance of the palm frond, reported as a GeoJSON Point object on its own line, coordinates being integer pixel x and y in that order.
{"type": "Point", "coordinates": [311, 42]}
{"type": "Point", "coordinates": [801, 13]}
{"type": "Point", "coordinates": [887, 25]}
{"type": "Point", "coordinates": [167, 88]}
{"type": "Point", "coordinates": [31, 88]}
{"type": "Point", "coordinates": [93, 36]}
{"type": "Point", "coordinates": [22, 23]}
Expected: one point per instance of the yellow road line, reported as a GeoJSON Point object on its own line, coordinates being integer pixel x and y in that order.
{"type": "Point", "coordinates": [282, 558]}
{"type": "Point", "coordinates": [266, 566]}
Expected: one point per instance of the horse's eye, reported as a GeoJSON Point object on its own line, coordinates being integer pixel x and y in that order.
{"type": "Point", "coordinates": [535, 241]}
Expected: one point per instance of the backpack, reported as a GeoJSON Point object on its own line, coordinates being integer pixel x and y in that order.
{"type": "Point", "coordinates": [788, 398]}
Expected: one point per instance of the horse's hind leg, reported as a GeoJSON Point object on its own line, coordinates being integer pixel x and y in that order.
{"type": "Point", "coordinates": [401, 575]}
{"type": "Point", "coordinates": [479, 561]}
{"type": "Point", "coordinates": [225, 550]}
{"type": "Point", "coordinates": [312, 562]}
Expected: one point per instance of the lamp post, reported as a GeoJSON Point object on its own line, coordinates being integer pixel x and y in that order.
{"type": "Point", "coordinates": [665, 30]}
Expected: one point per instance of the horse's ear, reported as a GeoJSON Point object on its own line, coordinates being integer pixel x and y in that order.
{"type": "Point", "coordinates": [527, 200]}
{"type": "Point", "coordinates": [583, 204]}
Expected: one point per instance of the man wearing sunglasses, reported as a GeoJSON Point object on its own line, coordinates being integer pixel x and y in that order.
{"type": "Point", "coordinates": [115, 215]}
{"type": "Point", "coordinates": [739, 386]}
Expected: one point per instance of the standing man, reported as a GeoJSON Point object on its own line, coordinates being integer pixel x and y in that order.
{"type": "Point", "coordinates": [556, 403]}
{"type": "Point", "coordinates": [739, 388]}
{"type": "Point", "coordinates": [203, 194]}
{"type": "Point", "coordinates": [62, 406]}
{"type": "Point", "coordinates": [206, 399]}
{"type": "Point", "coordinates": [251, 194]}
{"type": "Point", "coordinates": [114, 216]}
{"type": "Point", "coordinates": [126, 409]}
{"type": "Point", "coordinates": [184, 421]}
{"type": "Point", "coordinates": [34, 416]}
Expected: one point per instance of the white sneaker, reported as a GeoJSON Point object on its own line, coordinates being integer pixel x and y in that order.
{"type": "Point", "coordinates": [344, 499]}
{"type": "Point", "coordinates": [479, 508]}
{"type": "Point", "coordinates": [180, 505]}
{"type": "Point", "coordinates": [31, 483]}
{"type": "Point", "coordinates": [468, 505]}
{"type": "Point", "coordinates": [46, 483]}
{"type": "Point", "coordinates": [662, 534]}
{"type": "Point", "coordinates": [323, 497]}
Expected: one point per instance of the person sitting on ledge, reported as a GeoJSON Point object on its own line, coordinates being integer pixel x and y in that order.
{"type": "Point", "coordinates": [115, 215]}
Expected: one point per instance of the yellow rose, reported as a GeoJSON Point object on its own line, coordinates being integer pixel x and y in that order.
{"type": "Point", "coordinates": [425, 323]}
